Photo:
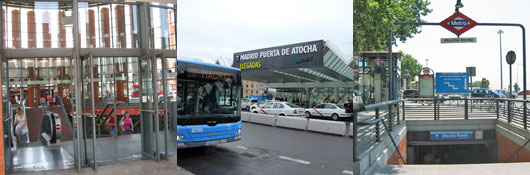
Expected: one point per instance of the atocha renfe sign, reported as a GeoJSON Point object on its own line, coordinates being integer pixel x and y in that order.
{"type": "Point", "coordinates": [306, 54]}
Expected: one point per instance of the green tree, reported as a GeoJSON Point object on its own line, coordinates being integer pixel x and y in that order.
{"type": "Point", "coordinates": [411, 64]}
{"type": "Point", "coordinates": [479, 83]}
{"type": "Point", "coordinates": [373, 18]}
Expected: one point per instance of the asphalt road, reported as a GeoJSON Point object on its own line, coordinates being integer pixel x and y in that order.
{"type": "Point", "coordinates": [270, 150]}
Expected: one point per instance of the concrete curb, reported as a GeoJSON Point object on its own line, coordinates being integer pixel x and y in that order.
{"type": "Point", "coordinates": [292, 122]}
{"type": "Point", "coordinates": [245, 116]}
{"type": "Point", "coordinates": [324, 126]}
{"type": "Point", "coordinates": [263, 119]}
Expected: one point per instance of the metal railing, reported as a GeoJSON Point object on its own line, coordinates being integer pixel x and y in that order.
{"type": "Point", "coordinates": [389, 114]}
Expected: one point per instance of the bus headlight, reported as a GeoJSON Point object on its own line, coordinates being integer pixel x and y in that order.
{"type": "Point", "coordinates": [180, 137]}
{"type": "Point", "coordinates": [238, 131]}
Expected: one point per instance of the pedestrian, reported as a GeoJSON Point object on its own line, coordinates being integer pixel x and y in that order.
{"type": "Point", "coordinates": [109, 126]}
{"type": "Point", "coordinates": [50, 100]}
{"type": "Point", "coordinates": [56, 97]}
{"type": "Point", "coordinates": [126, 123]}
{"type": "Point", "coordinates": [21, 129]}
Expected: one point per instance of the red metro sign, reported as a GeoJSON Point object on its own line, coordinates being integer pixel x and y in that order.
{"type": "Point", "coordinates": [378, 61]}
{"type": "Point", "coordinates": [458, 23]}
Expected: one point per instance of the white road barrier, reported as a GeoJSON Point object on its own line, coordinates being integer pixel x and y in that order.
{"type": "Point", "coordinates": [263, 119]}
{"type": "Point", "coordinates": [292, 122]}
{"type": "Point", "coordinates": [245, 116]}
{"type": "Point", "coordinates": [351, 129]}
{"type": "Point", "coordinates": [316, 125]}
{"type": "Point", "coordinates": [330, 127]}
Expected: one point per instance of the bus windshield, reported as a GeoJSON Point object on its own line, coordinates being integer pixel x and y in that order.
{"type": "Point", "coordinates": [204, 95]}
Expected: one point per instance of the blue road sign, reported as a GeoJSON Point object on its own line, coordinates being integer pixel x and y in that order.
{"type": "Point", "coordinates": [452, 82]}
{"type": "Point", "coordinates": [451, 135]}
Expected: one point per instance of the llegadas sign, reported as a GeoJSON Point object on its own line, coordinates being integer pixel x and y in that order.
{"type": "Point", "coordinates": [307, 54]}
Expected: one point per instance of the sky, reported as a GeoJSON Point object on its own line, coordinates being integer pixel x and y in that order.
{"type": "Point", "coordinates": [210, 29]}
{"type": "Point", "coordinates": [485, 54]}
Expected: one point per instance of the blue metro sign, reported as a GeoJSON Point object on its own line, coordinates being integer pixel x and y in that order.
{"type": "Point", "coordinates": [452, 82]}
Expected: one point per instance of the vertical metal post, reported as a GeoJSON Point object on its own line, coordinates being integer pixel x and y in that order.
{"type": "Point", "coordinates": [390, 117]}
{"type": "Point", "coordinates": [525, 120]}
{"type": "Point", "coordinates": [155, 103]}
{"type": "Point", "coordinates": [508, 107]}
{"type": "Point", "coordinates": [77, 84]}
{"type": "Point", "coordinates": [466, 108]}
{"type": "Point", "coordinates": [509, 102]}
{"type": "Point", "coordinates": [403, 103]}
{"type": "Point", "coordinates": [355, 159]}
{"type": "Point", "coordinates": [500, 32]}
{"type": "Point", "coordinates": [166, 106]}
{"type": "Point", "coordinates": [93, 111]}
{"type": "Point", "coordinates": [497, 108]}
{"type": "Point", "coordinates": [524, 76]}
{"type": "Point", "coordinates": [391, 68]}
{"type": "Point", "coordinates": [397, 112]}
{"type": "Point", "coordinates": [377, 139]}
{"type": "Point", "coordinates": [434, 104]}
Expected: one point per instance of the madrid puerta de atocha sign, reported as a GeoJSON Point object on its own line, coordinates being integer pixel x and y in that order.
{"type": "Point", "coordinates": [300, 55]}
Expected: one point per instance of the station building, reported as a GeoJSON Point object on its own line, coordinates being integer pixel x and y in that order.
{"type": "Point", "coordinates": [306, 73]}
{"type": "Point", "coordinates": [71, 66]}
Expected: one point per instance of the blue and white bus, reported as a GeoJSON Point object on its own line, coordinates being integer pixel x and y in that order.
{"type": "Point", "coordinates": [208, 104]}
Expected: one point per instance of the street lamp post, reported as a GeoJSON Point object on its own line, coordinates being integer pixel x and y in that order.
{"type": "Point", "coordinates": [500, 32]}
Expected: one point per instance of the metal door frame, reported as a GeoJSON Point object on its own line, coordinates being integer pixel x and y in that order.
{"type": "Point", "coordinates": [89, 58]}
{"type": "Point", "coordinates": [164, 71]}
{"type": "Point", "coordinates": [154, 111]}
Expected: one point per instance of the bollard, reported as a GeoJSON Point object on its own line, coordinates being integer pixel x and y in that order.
{"type": "Point", "coordinates": [377, 139]}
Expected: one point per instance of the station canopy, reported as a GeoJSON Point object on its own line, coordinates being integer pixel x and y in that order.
{"type": "Point", "coordinates": [309, 64]}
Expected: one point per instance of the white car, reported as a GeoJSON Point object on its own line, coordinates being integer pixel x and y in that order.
{"type": "Point", "coordinates": [259, 104]}
{"type": "Point", "coordinates": [279, 108]}
{"type": "Point", "coordinates": [246, 103]}
{"type": "Point", "coordinates": [327, 110]}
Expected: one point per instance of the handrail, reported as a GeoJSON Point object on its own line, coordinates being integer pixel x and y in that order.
{"type": "Point", "coordinates": [517, 152]}
{"type": "Point", "coordinates": [65, 116]}
{"type": "Point", "coordinates": [378, 105]}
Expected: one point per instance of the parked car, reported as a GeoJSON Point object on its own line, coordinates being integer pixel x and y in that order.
{"type": "Point", "coordinates": [411, 93]}
{"type": "Point", "coordinates": [279, 108]}
{"type": "Point", "coordinates": [507, 93]}
{"type": "Point", "coordinates": [484, 92]}
{"type": "Point", "coordinates": [246, 103]}
{"type": "Point", "coordinates": [328, 110]}
{"type": "Point", "coordinates": [259, 104]}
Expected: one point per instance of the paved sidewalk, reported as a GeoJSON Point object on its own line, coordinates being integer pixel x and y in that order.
{"type": "Point", "coordinates": [141, 167]}
{"type": "Point", "coordinates": [460, 169]}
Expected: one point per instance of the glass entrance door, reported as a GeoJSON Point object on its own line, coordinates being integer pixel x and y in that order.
{"type": "Point", "coordinates": [154, 102]}
{"type": "Point", "coordinates": [89, 114]}
{"type": "Point", "coordinates": [149, 107]}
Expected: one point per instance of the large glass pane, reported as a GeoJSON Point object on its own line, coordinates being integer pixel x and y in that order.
{"type": "Point", "coordinates": [162, 28]}
{"type": "Point", "coordinates": [36, 25]}
{"type": "Point", "coordinates": [106, 25]}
